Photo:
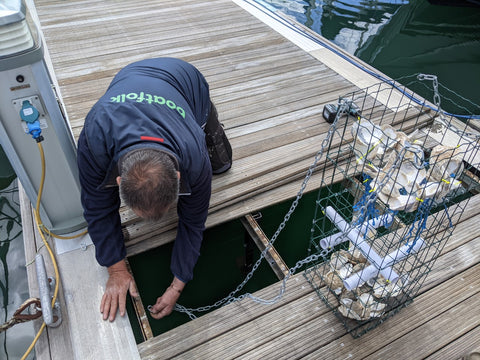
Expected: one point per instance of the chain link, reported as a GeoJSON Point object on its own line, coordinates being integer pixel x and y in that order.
{"type": "Point", "coordinates": [436, 93]}
{"type": "Point", "coordinates": [437, 101]}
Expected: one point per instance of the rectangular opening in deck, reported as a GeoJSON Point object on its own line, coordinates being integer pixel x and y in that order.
{"type": "Point", "coordinates": [227, 255]}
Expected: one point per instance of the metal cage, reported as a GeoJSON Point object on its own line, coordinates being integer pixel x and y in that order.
{"type": "Point", "coordinates": [397, 177]}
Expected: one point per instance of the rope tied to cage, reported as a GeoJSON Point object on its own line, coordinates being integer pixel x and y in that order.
{"type": "Point", "coordinates": [366, 210]}
{"type": "Point", "coordinates": [19, 317]}
{"type": "Point", "coordinates": [421, 217]}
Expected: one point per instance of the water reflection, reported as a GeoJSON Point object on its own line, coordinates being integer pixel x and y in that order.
{"type": "Point", "coordinates": [401, 38]}
{"type": "Point", "coordinates": [349, 23]}
{"type": "Point", "coordinates": [13, 274]}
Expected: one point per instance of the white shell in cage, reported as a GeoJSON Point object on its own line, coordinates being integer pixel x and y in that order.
{"type": "Point", "coordinates": [367, 138]}
{"type": "Point", "coordinates": [359, 267]}
{"type": "Point", "coordinates": [339, 259]}
{"type": "Point", "coordinates": [352, 309]}
{"type": "Point", "coordinates": [405, 182]}
{"type": "Point", "coordinates": [382, 288]}
{"type": "Point", "coordinates": [390, 134]}
{"type": "Point", "coordinates": [415, 155]}
{"type": "Point", "coordinates": [454, 185]}
{"type": "Point", "coordinates": [402, 185]}
{"type": "Point", "coordinates": [356, 255]}
{"type": "Point", "coordinates": [334, 278]}
{"type": "Point", "coordinates": [395, 203]}
{"type": "Point", "coordinates": [445, 163]}
{"type": "Point", "coordinates": [377, 309]}
{"type": "Point", "coordinates": [346, 294]}
{"type": "Point", "coordinates": [431, 189]}
{"type": "Point", "coordinates": [371, 141]}
{"type": "Point", "coordinates": [366, 307]}
{"type": "Point", "coordinates": [353, 256]}
{"type": "Point", "coordinates": [391, 195]}
{"type": "Point", "coordinates": [366, 299]}
{"type": "Point", "coordinates": [345, 271]}
{"type": "Point", "coordinates": [402, 139]}
{"type": "Point", "coordinates": [389, 140]}
{"type": "Point", "coordinates": [442, 152]}
{"type": "Point", "coordinates": [333, 281]}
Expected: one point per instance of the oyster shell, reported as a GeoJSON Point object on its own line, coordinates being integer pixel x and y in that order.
{"type": "Point", "coordinates": [384, 289]}
{"type": "Point", "coordinates": [366, 307]}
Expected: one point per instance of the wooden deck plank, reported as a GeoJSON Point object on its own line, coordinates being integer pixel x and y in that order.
{"type": "Point", "coordinates": [417, 318]}
{"type": "Point", "coordinates": [431, 303]}
{"type": "Point", "coordinates": [237, 342]}
{"type": "Point", "coordinates": [218, 322]}
{"type": "Point", "coordinates": [455, 321]}
{"type": "Point", "coordinates": [460, 347]}
{"type": "Point", "coordinates": [326, 336]}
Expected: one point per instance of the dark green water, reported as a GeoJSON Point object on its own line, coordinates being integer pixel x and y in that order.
{"type": "Point", "coordinates": [13, 274]}
{"type": "Point", "coordinates": [404, 37]}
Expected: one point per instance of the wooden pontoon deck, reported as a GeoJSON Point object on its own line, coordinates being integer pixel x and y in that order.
{"type": "Point", "coordinates": [270, 90]}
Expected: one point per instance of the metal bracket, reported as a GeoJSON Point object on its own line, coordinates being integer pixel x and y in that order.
{"type": "Point", "coordinates": [52, 316]}
{"type": "Point", "coordinates": [272, 256]}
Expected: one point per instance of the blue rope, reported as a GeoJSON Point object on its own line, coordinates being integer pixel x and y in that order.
{"type": "Point", "coordinates": [448, 216]}
{"type": "Point", "coordinates": [421, 220]}
{"type": "Point", "coordinates": [394, 213]}
{"type": "Point", "coordinates": [367, 212]}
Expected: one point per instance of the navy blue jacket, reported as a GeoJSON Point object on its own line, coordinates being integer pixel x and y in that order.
{"type": "Point", "coordinates": [156, 103]}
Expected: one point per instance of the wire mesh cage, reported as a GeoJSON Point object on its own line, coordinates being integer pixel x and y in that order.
{"type": "Point", "coordinates": [398, 175]}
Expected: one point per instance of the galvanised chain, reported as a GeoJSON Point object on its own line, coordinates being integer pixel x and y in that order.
{"type": "Point", "coordinates": [342, 109]}
{"type": "Point", "coordinates": [309, 259]}
{"type": "Point", "coordinates": [437, 102]}
{"type": "Point", "coordinates": [231, 298]}
{"type": "Point", "coordinates": [436, 93]}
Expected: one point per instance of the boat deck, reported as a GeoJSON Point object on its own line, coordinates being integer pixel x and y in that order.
{"type": "Point", "coordinates": [269, 89]}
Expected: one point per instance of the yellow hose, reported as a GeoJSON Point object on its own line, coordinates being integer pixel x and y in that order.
{"type": "Point", "coordinates": [61, 237]}
{"type": "Point", "coordinates": [42, 229]}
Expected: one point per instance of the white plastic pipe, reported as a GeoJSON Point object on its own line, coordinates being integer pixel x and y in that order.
{"type": "Point", "coordinates": [335, 239]}
{"type": "Point", "coordinates": [370, 271]}
{"type": "Point", "coordinates": [332, 241]}
{"type": "Point", "coordinates": [357, 239]}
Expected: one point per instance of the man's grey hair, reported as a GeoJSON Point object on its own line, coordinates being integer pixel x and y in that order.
{"type": "Point", "coordinates": [149, 182]}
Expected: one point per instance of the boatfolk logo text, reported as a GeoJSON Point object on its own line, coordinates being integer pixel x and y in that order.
{"type": "Point", "coordinates": [151, 99]}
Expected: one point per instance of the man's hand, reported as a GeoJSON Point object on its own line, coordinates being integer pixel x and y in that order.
{"type": "Point", "coordinates": [115, 297]}
{"type": "Point", "coordinates": [166, 302]}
